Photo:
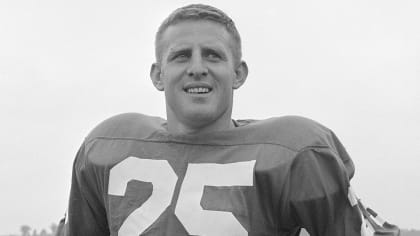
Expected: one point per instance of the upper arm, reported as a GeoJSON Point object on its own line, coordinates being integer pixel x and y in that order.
{"type": "Point", "coordinates": [86, 214]}
{"type": "Point", "coordinates": [319, 185]}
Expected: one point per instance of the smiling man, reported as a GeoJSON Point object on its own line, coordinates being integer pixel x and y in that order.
{"type": "Point", "coordinates": [200, 172]}
{"type": "Point", "coordinates": [198, 67]}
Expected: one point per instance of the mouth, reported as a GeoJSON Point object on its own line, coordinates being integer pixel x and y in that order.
{"type": "Point", "coordinates": [198, 89]}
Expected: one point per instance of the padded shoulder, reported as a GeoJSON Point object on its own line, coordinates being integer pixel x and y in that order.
{"type": "Point", "coordinates": [127, 125]}
{"type": "Point", "coordinates": [293, 132]}
{"type": "Point", "coordinates": [300, 134]}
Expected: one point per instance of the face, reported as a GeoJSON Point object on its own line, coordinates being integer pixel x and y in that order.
{"type": "Point", "coordinates": [198, 73]}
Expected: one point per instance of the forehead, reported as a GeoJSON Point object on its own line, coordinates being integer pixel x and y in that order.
{"type": "Point", "coordinates": [196, 32]}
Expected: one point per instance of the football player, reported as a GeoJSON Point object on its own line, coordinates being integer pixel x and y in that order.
{"type": "Point", "coordinates": [199, 172]}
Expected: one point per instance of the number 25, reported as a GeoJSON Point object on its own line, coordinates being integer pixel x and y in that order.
{"type": "Point", "coordinates": [188, 209]}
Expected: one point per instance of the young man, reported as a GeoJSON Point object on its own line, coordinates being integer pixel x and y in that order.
{"type": "Point", "coordinates": [200, 172]}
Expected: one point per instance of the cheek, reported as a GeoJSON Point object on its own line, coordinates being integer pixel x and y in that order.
{"type": "Point", "coordinates": [171, 76]}
{"type": "Point", "coordinates": [225, 74]}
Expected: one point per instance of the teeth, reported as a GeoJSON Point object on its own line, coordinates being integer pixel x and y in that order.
{"type": "Point", "coordinates": [198, 90]}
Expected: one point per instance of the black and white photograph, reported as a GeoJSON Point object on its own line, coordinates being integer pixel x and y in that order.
{"type": "Point", "coordinates": [210, 118]}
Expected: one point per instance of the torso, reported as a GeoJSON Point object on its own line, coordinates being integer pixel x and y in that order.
{"type": "Point", "coordinates": [226, 183]}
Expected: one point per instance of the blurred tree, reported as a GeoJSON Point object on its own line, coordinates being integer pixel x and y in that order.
{"type": "Point", "coordinates": [34, 233]}
{"type": "Point", "coordinates": [43, 233]}
{"type": "Point", "coordinates": [25, 230]}
{"type": "Point", "coordinates": [53, 228]}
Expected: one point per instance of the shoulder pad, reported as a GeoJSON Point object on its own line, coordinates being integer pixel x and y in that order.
{"type": "Point", "coordinates": [293, 132]}
{"type": "Point", "coordinates": [127, 125]}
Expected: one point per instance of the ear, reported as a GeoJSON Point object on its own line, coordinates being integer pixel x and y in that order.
{"type": "Point", "coordinates": [241, 75]}
{"type": "Point", "coordinates": [155, 75]}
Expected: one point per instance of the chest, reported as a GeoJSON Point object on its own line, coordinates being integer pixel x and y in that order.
{"type": "Point", "coordinates": [178, 189]}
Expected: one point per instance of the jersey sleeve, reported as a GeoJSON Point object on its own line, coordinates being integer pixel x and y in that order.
{"type": "Point", "coordinates": [319, 183]}
{"type": "Point", "coordinates": [86, 214]}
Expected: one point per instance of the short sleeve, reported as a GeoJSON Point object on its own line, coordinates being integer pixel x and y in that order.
{"type": "Point", "coordinates": [86, 213]}
{"type": "Point", "coordinates": [318, 200]}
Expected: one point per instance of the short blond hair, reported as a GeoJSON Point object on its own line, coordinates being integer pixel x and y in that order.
{"type": "Point", "coordinates": [200, 12]}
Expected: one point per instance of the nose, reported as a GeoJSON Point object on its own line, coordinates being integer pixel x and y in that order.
{"type": "Point", "coordinates": [197, 68]}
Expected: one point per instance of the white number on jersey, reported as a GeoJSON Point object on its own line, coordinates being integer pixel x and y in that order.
{"type": "Point", "coordinates": [163, 178]}
{"type": "Point", "coordinates": [195, 219]}
{"type": "Point", "coordinates": [204, 222]}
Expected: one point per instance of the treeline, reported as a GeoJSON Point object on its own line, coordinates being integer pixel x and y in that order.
{"type": "Point", "coordinates": [412, 232]}
{"type": "Point", "coordinates": [26, 230]}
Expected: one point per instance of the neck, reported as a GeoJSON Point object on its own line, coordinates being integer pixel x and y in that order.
{"type": "Point", "coordinates": [199, 125]}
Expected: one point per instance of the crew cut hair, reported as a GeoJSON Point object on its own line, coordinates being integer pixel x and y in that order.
{"type": "Point", "coordinates": [200, 12]}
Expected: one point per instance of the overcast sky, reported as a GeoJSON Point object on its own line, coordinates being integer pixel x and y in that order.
{"type": "Point", "coordinates": [352, 65]}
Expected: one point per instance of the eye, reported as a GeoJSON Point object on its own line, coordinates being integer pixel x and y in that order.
{"type": "Point", "coordinates": [212, 55]}
{"type": "Point", "coordinates": [180, 57]}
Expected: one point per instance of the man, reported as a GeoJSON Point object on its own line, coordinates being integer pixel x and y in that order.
{"type": "Point", "coordinates": [200, 172]}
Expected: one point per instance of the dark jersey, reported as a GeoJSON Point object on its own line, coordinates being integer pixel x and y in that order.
{"type": "Point", "coordinates": [270, 177]}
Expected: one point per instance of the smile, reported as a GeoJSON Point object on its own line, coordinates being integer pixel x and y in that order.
{"type": "Point", "coordinates": [198, 90]}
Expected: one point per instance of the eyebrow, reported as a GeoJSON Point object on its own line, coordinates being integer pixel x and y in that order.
{"type": "Point", "coordinates": [206, 48]}
{"type": "Point", "coordinates": [177, 48]}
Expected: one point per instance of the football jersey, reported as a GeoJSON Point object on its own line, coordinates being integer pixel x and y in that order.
{"type": "Point", "coordinates": [262, 178]}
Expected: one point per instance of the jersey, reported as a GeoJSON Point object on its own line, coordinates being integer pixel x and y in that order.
{"type": "Point", "coordinates": [265, 178]}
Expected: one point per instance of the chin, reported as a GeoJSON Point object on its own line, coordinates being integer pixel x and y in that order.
{"type": "Point", "coordinates": [197, 115]}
